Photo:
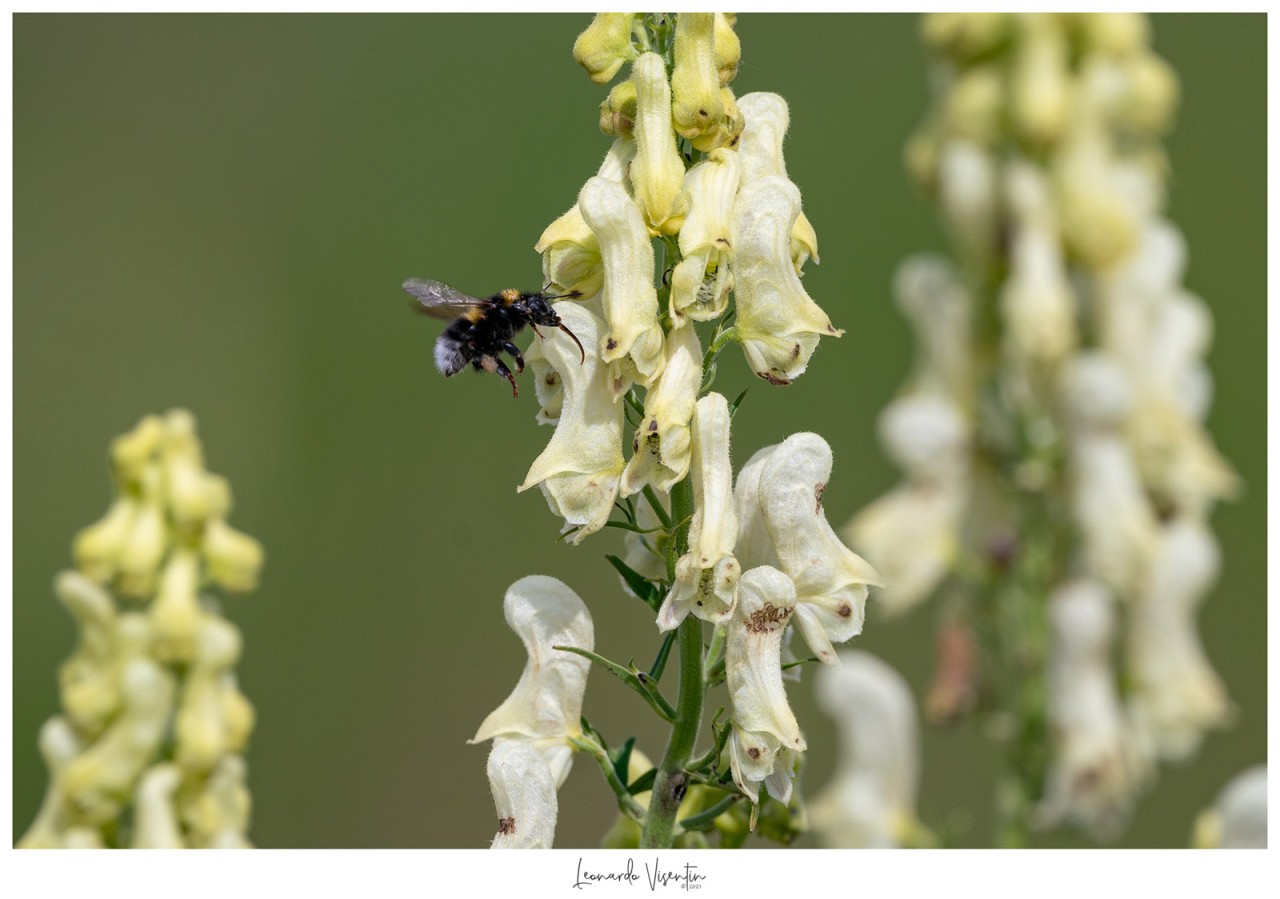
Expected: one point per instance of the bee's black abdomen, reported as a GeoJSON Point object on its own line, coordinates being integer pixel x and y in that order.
{"type": "Point", "coordinates": [451, 353]}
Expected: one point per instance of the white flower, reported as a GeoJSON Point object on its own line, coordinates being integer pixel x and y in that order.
{"type": "Point", "coordinates": [545, 706]}
{"type": "Point", "coordinates": [765, 122]}
{"type": "Point", "coordinates": [781, 521]}
{"type": "Point", "coordinates": [1117, 526]}
{"type": "Point", "coordinates": [657, 174]}
{"type": "Point", "coordinates": [701, 281]}
{"type": "Point", "coordinates": [967, 187]}
{"type": "Point", "coordinates": [156, 816]}
{"type": "Point", "coordinates": [582, 464]}
{"type": "Point", "coordinates": [630, 300]}
{"type": "Point", "coordinates": [930, 295]}
{"type": "Point", "coordinates": [1175, 694]}
{"type": "Point", "coordinates": [1036, 300]}
{"type": "Point", "coordinates": [1096, 768]}
{"type": "Point", "coordinates": [533, 728]}
{"type": "Point", "coordinates": [570, 252]}
{"type": "Point", "coordinates": [766, 740]}
{"type": "Point", "coordinates": [707, 575]}
{"type": "Point", "coordinates": [777, 322]}
{"type": "Point", "coordinates": [871, 799]}
{"type": "Point", "coordinates": [524, 793]}
{"type": "Point", "coordinates": [662, 444]}
{"type": "Point", "coordinates": [59, 745]}
{"type": "Point", "coordinates": [1238, 818]}
{"type": "Point", "coordinates": [217, 816]}
{"type": "Point", "coordinates": [912, 533]}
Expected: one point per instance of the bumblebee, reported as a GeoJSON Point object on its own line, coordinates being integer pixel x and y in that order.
{"type": "Point", "coordinates": [483, 328]}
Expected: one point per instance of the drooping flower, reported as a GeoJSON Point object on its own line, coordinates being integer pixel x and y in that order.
{"type": "Point", "coordinates": [701, 281]}
{"type": "Point", "coordinates": [1175, 695]}
{"type": "Point", "coordinates": [932, 298]}
{"type": "Point", "coordinates": [156, 823]}
{"type": "Point", "coordinates": [581, 467]}
{"type": "Point", "coordinates": [1096, 769]}
{"type": "Point", "coordinates": [533, 727]}
{"type": "Point", "coordinates": [778, 324]}
{"type": "Point", "coordinates": [707, 575]}
{"type": "Point", "coordinates": [633, 342]}
{"type": "Point", "coordinates": [662, 445]}
{"type": "Point", "coordinates": [781, 522]}
{"type": "Point", "coordinates": [871, 799]}
{"type": "Point", "coordinates": [912, 533]}
{"type": "Point", "coordinates": [696, 107]}
{"type": "Point", "coordinates": [1238, 817]}
{"type": "Point", "coordinates": [766, 118]}
{"type": "Point", "coordinates": [571, 258]}
{"type": "Point", "coordinates": [766, 740]}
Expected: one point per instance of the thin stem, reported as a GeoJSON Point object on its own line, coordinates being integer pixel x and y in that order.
{"type": "Point", "coordinates": [672, 779]}
{"type": "Point", "coordinates": [656, 505]}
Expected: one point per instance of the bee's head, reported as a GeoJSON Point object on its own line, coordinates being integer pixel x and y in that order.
{"type": "Point", "coordinates": [540, 309]}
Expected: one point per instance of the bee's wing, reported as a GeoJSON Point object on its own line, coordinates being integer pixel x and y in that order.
{"type": "Point", "coordinates": [439, 300]}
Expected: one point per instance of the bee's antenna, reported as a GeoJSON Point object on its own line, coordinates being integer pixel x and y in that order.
{"type": "Point", "coordinates": [575, 340]}
{"type": "Point", "coordinates": [571, 295]}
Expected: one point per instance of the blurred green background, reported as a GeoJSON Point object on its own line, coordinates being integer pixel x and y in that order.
{"type": "Point", "coordinates": [217, 212]}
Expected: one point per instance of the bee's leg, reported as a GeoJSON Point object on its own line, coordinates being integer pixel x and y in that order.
{"type": "Point", "coordinates": [506, 373]}
{"type": "Point", "coordinates": [515, 354]}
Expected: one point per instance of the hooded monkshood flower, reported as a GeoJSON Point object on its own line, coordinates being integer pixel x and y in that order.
{"type": "Point", "coordinates": [542, 713]}
{"type": "Point", "coordinates": [701, 281]}
{"type": "Point", "coordinates": [630, 301]}
{"type": "Point", "coordinates": [766, 740]}
{"type": "Point", "coordinates": [657, 174]}
{"type": "Point", "coordinates": [765, 122]}
{"type": "Point", "coordinates": [661, 448]}
{"type": "Point", "coordinates": [1117, 526]}
{"type": "Point", "coordinates": [580, 469]}
{"type": "Point", "coordinates": [778, 324]}
{"type": "Point", "coordinates": [570, 252]}
{"type": "Point", "coordinates": [1096, 768]}
{"type": "Point", "coordinates": [1175, 695]}
{"type": "Point", "coordinates": [707, 575]}
{"type": "Point", "coordinates": [912, 533]}
{"type": "Point", "coordinates": [781, 521]}
{"type": "Point", "coordinates": [931, 296]}
{"type": "Point", "coordinates": [1238, 818]}
{"type": "Point", "coordinates": [872, 796]}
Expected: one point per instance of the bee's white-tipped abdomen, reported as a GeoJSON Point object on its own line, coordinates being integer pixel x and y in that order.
{"type": "Point", "coordinates": [449, 360]}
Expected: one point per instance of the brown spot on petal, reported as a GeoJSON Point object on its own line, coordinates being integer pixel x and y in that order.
{"type": "Point", "coordinates": [611, 344]}
{"type": "Point", "coordinates": [506, 826]}
{"type": "Point", "coordinates": [653, 425]}
{"type": "Point", "coordinates": [844, 610]}
{"type": "Point", "coordinates": [766, 619]}
{"type": "Point", "coordinates": [817, 492]}
{"type": "Point", "coordinates": [775, 380]}
{"type": "Point", "coordinates": [753, 752]}
{"type": "Point", "coordinates": [795, 351]}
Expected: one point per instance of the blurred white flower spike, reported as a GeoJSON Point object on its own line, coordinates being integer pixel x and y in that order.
{"type": "Point", "coordinates": [1238, 818]}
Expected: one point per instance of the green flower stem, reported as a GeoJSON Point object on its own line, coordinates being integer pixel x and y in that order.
{"type": "Point", "coordinates": [626, 802]}
{"type": "Point", "coordinates": [672, 780]}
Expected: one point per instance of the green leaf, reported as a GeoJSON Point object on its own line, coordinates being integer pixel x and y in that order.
{"type": "Point", "coordinates": [660, 663]}
{"type": "Point", "coordinates": [643, 782]}
{"type": "Point", "coordinates": [632, 678]}
{"type": "Point", "coordinates": [706, 820]}
{"type": "Point", "coordinates": [733, 407]}
{"type": "Point", "coordinates": [638, 583]}
{"type": "Point", "coordinates": [622, 758]}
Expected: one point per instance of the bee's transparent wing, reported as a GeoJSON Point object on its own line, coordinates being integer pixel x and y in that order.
{"type": "Point", "coordinates": [439, 300]}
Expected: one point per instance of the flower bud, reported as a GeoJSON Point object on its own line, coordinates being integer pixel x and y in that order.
{"type": "Point", "coordinates": [201, 729]}
{"type": "Point", "coordinates": [217, 816]}
{"type": "Point", "coordinates": [618, 111]}
{"type": "Point", "coordinates": [657, 174]}
{"type": "Point", "coordinates": [175, 613]}
{"type": "Point", "coordinates": [97, 548]}
{"type": "Point", "coordinates": [605, 45]}
{"type": "Point", "coordinates": [155, 816]}
{"type": "Point", "coordinates": [87, 680]}
{"type": "Point", "coordinates": [59, 745]}
{"type": "Point", "coordinates": [696, 109]}
{"type": "Point", "coordinates": [234, 558]}
{"type": "Point", "coordinates": [728, 49]}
